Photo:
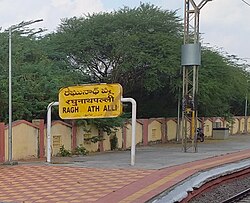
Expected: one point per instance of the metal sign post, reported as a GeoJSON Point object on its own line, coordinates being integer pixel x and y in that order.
{"type": "Point", "coordinates": [78, 101]}
{"type": "Point", "coordinates": [49, 129]}
{"type": "Point", "coordinates": [133, 102]}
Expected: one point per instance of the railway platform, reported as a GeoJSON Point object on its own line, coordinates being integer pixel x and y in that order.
{"type": "Point", "coordinates": [160, 170]}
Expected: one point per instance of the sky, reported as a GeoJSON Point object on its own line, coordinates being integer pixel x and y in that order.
{"type": "Point", "coordinates": [224, 24]}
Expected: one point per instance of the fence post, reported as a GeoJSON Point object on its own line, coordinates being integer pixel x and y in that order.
{"type": "Point", "coordinates": [74, 131]}
{"type": "Point", "coordinates": [41, 138]}
{"type": "Point", "coordinates": [145, 132]}
{"type": "Point", "coordinates": [124, 137]}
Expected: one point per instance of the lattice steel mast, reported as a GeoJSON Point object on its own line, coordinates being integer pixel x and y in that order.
{"type": "Point", "coordinates": [191, 60]}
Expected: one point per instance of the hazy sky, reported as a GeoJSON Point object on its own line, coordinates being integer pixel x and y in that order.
{"type": "Point", "coordinates": [223, 23]}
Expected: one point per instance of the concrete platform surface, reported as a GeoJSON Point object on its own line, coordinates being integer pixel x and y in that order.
{"type": "Point", "coordinates": [108, 177]}
{"type": "Point", "coordinates": [160, 155]}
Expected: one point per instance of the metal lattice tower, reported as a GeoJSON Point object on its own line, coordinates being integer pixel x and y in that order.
{"type": "Point", "coordinates": [191, 59]}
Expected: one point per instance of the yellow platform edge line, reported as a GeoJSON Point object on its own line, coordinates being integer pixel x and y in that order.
{"type": "Point", "coordinates": [175, 174]}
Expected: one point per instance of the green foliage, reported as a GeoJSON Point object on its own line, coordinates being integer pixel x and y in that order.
{"type": "Point", "coordinates": [36, 76]}
{"type": "Point", "coordinates": [64, 152]}
{"type": "Point", "coordinates": [80, 150]}
{"type": "Point", "coordinates": [222, 85]}
{"type": "Point", "coordinates": [108, 125]}
{"type": "Point", "coordinates": [94, 139]}
{"type": "Point", "coordinates": [138, 48]}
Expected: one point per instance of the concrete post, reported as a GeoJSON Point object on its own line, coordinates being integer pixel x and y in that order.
{"type": "Point", "coordinates": [145, 132]}
{"type": "Point", "coordinates": [41, 139]}
{"type": "Point", "coordinates": [2, 143]}
{"type": "Point", "coordinates": [124, 137]}
{"type": "Point", "coordinates": [74, 131]}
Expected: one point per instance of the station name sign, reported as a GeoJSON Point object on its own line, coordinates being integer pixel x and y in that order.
{"type": "Point", "coordinates": [90, 101]}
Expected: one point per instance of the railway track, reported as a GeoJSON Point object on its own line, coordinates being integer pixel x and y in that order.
{"type": "Point", "coordinates": [241, 197]}
{"type": "Point", "coordinates": [225, 189]}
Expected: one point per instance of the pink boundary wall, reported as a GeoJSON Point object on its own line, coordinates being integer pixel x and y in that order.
{"type": "Point", "coordinates": [39, 124]}
{"type": "Point", "coordinates": [2, 143]}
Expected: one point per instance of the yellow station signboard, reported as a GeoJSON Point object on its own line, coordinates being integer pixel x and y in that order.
{"type": "Point", "coordinates": [90, 101]}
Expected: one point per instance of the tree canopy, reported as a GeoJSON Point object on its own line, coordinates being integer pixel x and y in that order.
{"type": "Point", "coordinates": [36, 78]}
{"type": "Point", "coordinates": [223, 84]}
{"type": "Point", "coordinates": [136, 47]}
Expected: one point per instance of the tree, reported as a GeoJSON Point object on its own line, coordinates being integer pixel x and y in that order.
{"type": "Point", "coordinates": [36, 79]}
{"type": "Point", "coordinates": [138, 48]}
{"type": "Point", "coordinates": [222, 85]}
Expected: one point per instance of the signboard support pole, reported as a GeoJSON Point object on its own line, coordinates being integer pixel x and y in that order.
{"type": "Point", "coordinates": [49, 129]}
{"type": "Point", "coordinates": [133, 102]}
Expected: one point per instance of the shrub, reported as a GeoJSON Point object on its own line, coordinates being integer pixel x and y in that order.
{"type": "Point", "coordinates": [80, 150]}
{"type": "Point", "coordinates": [64, 152]}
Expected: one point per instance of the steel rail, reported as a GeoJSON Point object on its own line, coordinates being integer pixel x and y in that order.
{"type": "Point", "coordinates": [238, 196]}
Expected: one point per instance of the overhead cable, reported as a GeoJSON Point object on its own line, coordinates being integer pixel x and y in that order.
{"type": "Point", "coordinates": [246, 2]}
